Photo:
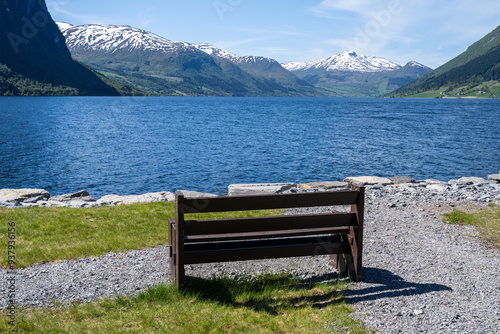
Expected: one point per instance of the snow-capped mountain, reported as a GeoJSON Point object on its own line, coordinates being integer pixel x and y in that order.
{"type": "Point", "coordinates": [345, 61]}
{"type": "Point", "coordinates": [161, 66]}
{"type": "Point", "coordinates": [414, 64]}
{"type": "Point", "coordinates": [112, 38]}
{"type": "Point", "coordinates": [215, 51]}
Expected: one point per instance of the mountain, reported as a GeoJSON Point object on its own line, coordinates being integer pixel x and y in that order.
{"type": "Point", "coordinates": [34, 59]}
{"type": "Point", "coordinates": [345, 61]}
{"type": "Point", "coordinates": [163, 67]}
{"type": "Point", "coordinates": [474, 73]}
{"type": "Point", "coordinates": [262, 67]}
{"type": "Point", "coordinates": [353, 75]}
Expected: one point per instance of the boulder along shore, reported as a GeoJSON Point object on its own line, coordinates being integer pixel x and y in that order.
{"type": "Point", "coordinates": [463, 189]}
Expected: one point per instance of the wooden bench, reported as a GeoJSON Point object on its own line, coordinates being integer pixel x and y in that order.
{"type": "Point", "coordinates": [221, 240]}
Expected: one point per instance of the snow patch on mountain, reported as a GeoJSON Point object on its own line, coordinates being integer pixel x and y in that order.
{"type": "Point", "coordinates": [345, 61]}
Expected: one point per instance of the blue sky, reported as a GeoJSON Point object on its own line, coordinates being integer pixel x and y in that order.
{"type": "Point", "coordinates": [426, 31]}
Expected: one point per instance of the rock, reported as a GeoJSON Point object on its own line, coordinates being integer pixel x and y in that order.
{"type": "Point", "coordinates": [367, 180]}
{"type": "Point", "coordinates": [438, 187]}
{"type": "Point", "coordinates": [35, 199]}
{"type": "Point", "coordinates": [433, 181]}
{"type": "Point", "coordinates": [402, 179]}
{"type": "Point", "coordinates": [323, 185]}
{"type": "Point", "coordinates": [469, 181]}
{"type": "Point", "coordinates": [196, 194]}
{"type": "Point", "coordinates": [82, 195]}
{"type": "Point", "coordinates": [21, 195]}
{"type": "Point", "coordinates": [418, 312]}
{"type": "Point", "coordinates": [82, 204]}
{"type": "Point", "coordinates": [259, 188]}
{"type": "Point", "coordinates": [131, 199]}
{"type": "Point", "coordinates": [494, 177]}
{"type": "Point", "coordinates": [51, 204]}
{"type": "Point", "coordinates": [7, 205]}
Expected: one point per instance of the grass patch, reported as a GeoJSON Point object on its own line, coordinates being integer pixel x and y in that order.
{"type": "Point", "coordinates": [487, 222]}
{"type": "Point", "coordinates": [267, 304]}
{"type": "Point", "coordinates": [53, 234]}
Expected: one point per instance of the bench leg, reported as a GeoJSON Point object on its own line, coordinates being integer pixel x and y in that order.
{"type": "Point", "coordinates": [176, 264]}
{"type": "Point", "coordinates": [179, 271]}
{"type": "Point", "coordinates": [176, 258]}
{"type": "Point", "coordinates": [171, 250]}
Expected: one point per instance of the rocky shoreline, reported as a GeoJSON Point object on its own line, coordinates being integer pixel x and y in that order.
{"type": "Point", "coordinates": [463, 189]}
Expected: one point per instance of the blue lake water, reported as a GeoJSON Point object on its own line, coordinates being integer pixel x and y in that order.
{"type": "Point", "coordinates": [138, 145]}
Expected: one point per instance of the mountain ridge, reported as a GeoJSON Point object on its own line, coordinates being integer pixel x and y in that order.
{"type": "Point", "coordinates": [345, 61]}
{"type": "Point", "coordinates": [473, 73]}
{"type": "Point", "coordinates": [26, 30]}
{"type": "Point", "coordinates": [349, 74]}
{"type": "Point", "coordinates": [142, 58]}
{"type": "Point", "coordinates": [266, 76]}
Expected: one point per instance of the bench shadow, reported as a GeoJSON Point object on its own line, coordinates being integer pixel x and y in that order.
{"type": "Point", "coordinates": [225, 291]}
{"type": "Point", "coordinates": [388, 285]}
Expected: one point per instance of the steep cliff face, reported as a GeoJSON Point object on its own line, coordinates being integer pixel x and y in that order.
{"type": "Point", "coordinates": [33, 48]}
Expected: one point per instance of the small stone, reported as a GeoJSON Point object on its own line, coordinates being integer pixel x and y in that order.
{"type": "Point", "coordinates": [323, 185]}
{"type": "Point", "coordinates": [367, 180]}
{"type": "Point", "coordinates": [437, 187]}
{"type": "Point", "coordinates": [470, 180]}
{"type": "Point", "coordinates": [418, 312]}
{"type": "Point", "coordinates": [81, 195]}
{"type": "Point", "coordinates": [7, 205]}
{"type": "Point", "coordinates": [402, 179]}
{"type": "Point", "coordinates": [35, 199]}
{"type": "Point", "coordinates": [433, 181]}
{"type": "Point", "coordinates": [258, 188]}
{"type": "Point", "coordinates": [494, 177]}
{"type": "Point", "coordinates": [196, 194]}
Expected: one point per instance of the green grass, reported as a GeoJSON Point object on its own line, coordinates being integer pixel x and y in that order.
{"type": "Point", "coordinates": [266, 304]}
{"type": "Point", "coordinates": [55, 234]}
{"type": "Point", "coordinates": [487, 221]}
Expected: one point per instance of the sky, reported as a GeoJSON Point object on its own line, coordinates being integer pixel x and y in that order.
{"type": "Point", "coordinates": [429, 32]}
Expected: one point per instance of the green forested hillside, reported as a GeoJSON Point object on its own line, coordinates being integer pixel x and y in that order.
{"type": "Point", "coordinates": [475, 73]}
{"type": "Point", "coordinates": [34, 59]}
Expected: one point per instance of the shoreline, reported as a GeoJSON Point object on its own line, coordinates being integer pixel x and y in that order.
{"type": "Point", "coordinates": [465, 188]}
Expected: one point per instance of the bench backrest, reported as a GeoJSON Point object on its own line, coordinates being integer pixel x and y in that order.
{"type": "Point", "coordinates": [354, 197]}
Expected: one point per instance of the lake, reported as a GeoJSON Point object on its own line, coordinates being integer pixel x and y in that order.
{"type": "Point", "coordinates": [134, 145]}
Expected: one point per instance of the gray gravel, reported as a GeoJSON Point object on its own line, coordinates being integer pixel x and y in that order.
{"type": "Point", "coordinates": [420, 274]}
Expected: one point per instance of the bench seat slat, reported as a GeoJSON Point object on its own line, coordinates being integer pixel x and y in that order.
{"type": "Point", "coordinates": [273, 250]}
{"type": "Point", "coordinates": [195, 247]}
{"type": "Point", "coordinates": [262, 224]}
{"type": "Point", "coordinates": [266, 234]}
{"type": "Point", "coordinates": [266, 202]}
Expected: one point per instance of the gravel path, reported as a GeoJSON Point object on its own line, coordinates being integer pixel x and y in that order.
{"type": "Point", "coordinates": [420, 275]}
